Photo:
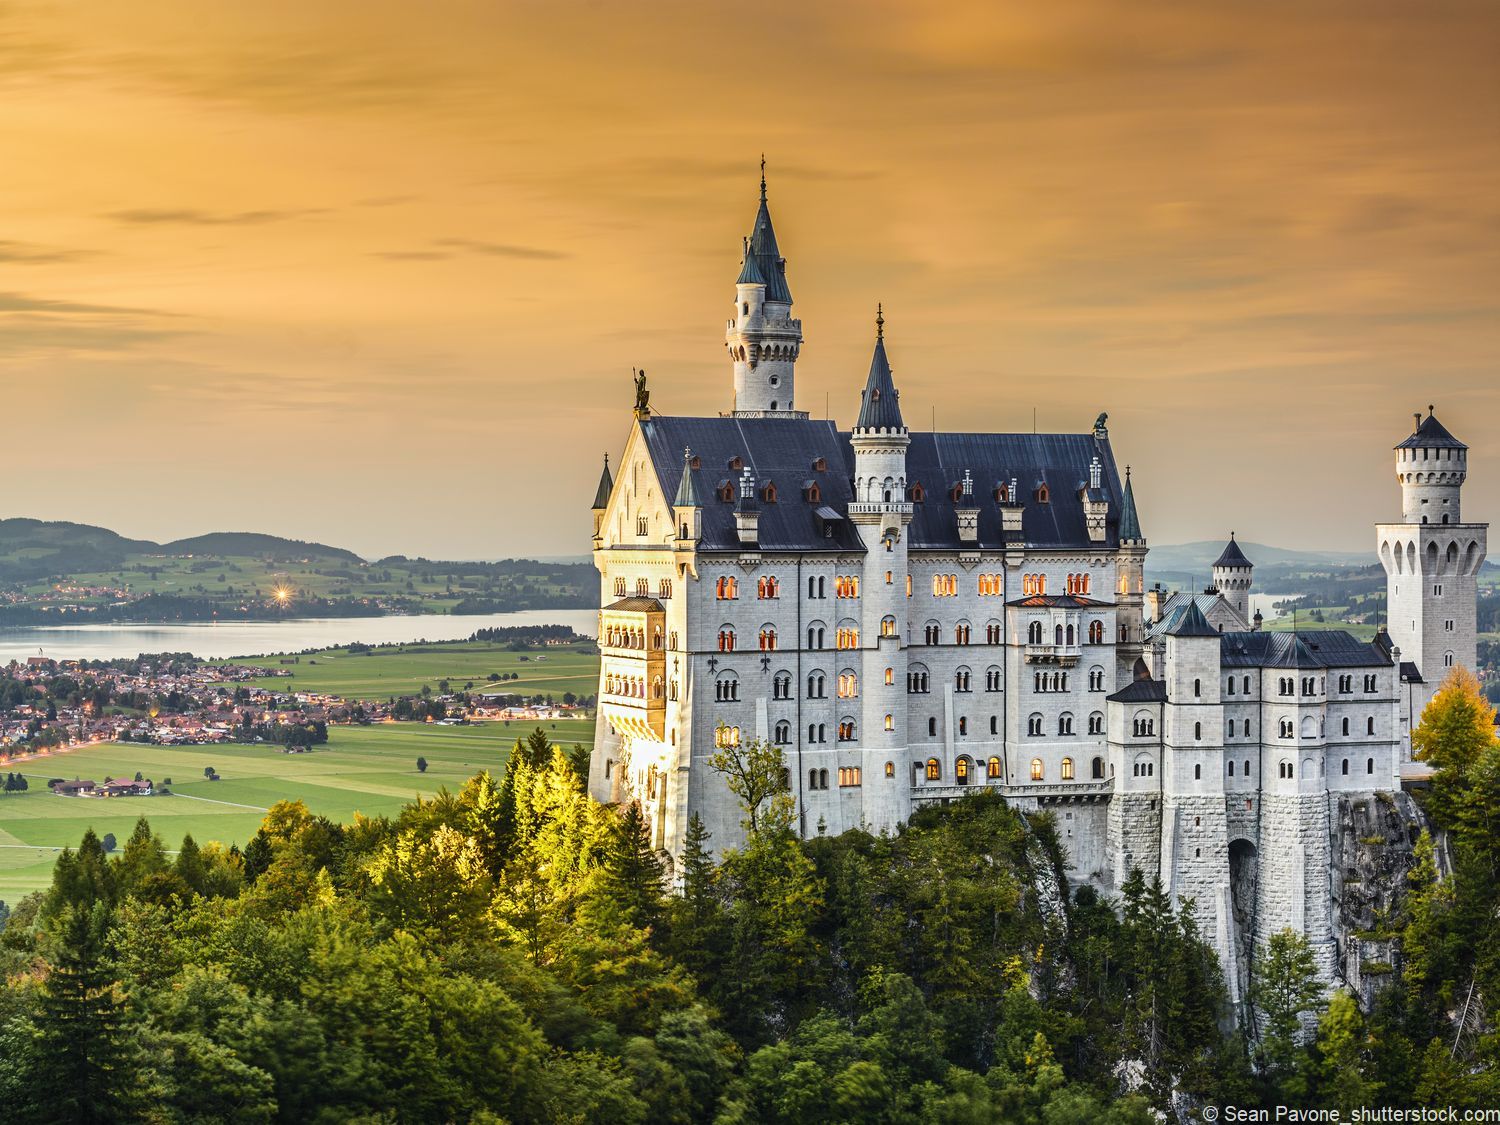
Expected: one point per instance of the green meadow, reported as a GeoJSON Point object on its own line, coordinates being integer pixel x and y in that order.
{"type": "Point", "coordinates": [406, 669]}
{"type": "Point", "coordinates": [368, 770]}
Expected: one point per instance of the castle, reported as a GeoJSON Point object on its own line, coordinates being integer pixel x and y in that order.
{"type": "Point", "coordinates": [910, 616]}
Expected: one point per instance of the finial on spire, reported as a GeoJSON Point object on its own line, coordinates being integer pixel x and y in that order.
{"type": "Point", "coordinates": [879, 322]}
{"type": "Point", "coordinates": [762, 177]}
{"type": "Point", "coordinates": [1429, 408]}
{"type": "Point", "coordinates": [1127, 473]}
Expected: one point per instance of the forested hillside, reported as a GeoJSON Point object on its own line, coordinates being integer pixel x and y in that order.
{"type": "Point", "coordinates": [510, 953]}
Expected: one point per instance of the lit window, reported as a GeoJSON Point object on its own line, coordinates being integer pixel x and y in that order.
{"type": "Point", "coordinates": [848, 776]}
{"type": "Point", "coordinates": [1037, 773]}
{"type": "Point", "coordinates": [890, 722]}
{"type": "Point", "coordinates": [1067, 769]}
{"type": "Point", "coordinates": [934, 770]}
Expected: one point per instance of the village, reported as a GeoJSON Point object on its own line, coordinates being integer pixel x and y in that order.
{"type": "Point", "coordinates": [49, 706]}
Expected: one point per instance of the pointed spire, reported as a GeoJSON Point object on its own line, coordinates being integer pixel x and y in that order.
{"type": "Point", "coordinates": [880, 406]}
{"type": "Point", "coordinates": [606, 486]}
{"type": "Point", "coordinates": [1130, 523]}
{"type": "Point", "coordinates": [768, 257]}
{"type": "Point", "coordinates": [687, 489]}
{"type": "Point", "coordinates": [750, 271]}
{"type": "Point", "coordinates": [1192, 623]}
{"type": "Point", "coordinates": [1232, 555]}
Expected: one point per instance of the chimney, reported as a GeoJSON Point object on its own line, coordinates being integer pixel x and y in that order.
{"type": "Point", "coordinates": [967, 511]}
{"type": "Point", "coordinates": [747, 512]}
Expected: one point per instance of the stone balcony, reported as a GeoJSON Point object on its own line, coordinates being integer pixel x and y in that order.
{"type": "Point", "coordinates": [925, 793]}
{"type": "Point", "coordinates": [1065, 655]}
{"type": "Point", "coordinates": [880, 508]}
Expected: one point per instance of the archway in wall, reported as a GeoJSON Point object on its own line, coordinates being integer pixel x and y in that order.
{"type": "Point", "coordinates": [1244, 871]}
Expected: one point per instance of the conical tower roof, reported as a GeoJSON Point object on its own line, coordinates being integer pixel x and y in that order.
{"type": "Point", "coordinates": [1232, 555]}
{"type": "Point", "coordinates": [1192, 623]}
{"type": "Point", "coordinates": [1130, 523]}
{"type": "Point", "coordinates": [750, 270]}
{"type": "Point", "coordinates": [879, 404]}
{"type": "Point", "coordinates": [606, 486]}
{"type": "Point", "coordinates": [1431, 434]}
{"type": "Point", "coordinates": [767, 254]}
{"type": "Point", "coordinates": [687, 488]}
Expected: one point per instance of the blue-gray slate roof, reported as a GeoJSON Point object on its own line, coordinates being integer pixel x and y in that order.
{"type": "Point", "coordinates": [1431, 434]}
{"type": "Point", "coordinates": [1130, 523]}
{"type": "Point", "coordinates": [1232, 555]}
{"type": "Point", "coordinates": [879, 405]}
{"type": "Point", "coordinates": [782, 451]}
{"type": "Point", "coordinates": [687, 483]}
{"type": "Point", "coordinates": [1318, 648]}
{"type": "Point", "coordinates": [768, 259]}
{"type": "Point", "coordinates": [606, 486]}
{"type": "Point", "coordinates": [1192, 623]}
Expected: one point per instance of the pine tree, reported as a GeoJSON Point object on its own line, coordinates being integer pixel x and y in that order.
{"type": "Point", "coordinates": [76, 1063]}
{"type": "Point", "coordinates": [633, 875]}
{"type": "Point", "coordinates": [190, 867]}
{"type": "Point", "coordinates": [1344, 1047]}
{"type": "Point", "coordinates": [1285, 987]}
{"type": "Point", "coordinates": [697, 914]}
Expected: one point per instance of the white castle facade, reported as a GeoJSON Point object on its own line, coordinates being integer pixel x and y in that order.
{"type": "Point", "coordinates": [911, 616]}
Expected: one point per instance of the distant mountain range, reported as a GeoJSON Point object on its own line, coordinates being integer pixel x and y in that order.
{"type": "Point", "coordinates": [36, 548]}
{"type": "Point", "coordinates": [1198, 558]}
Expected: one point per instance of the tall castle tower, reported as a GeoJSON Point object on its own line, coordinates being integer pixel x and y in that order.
{"type": "Point", "coordinates": [1431, 559]}
{"type": "Point", "coordinates": [762, 337]}
{"type": "Point", "coordinates": [1232, 578]}
{"type": "Point", "coordinates": [881, 513]}
{"type": "Point", "coordinates": [1131, 595]}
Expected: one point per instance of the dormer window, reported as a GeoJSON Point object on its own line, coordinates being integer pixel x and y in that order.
{"type": "Point", "coordinates": [812, 492]}
{"type": "Point", "coordinates": [726, 491]}
{"type": "Point", "coordinates": [735, 464]}
{"type": "Point", "coordinates": [1041, 493]}
{"type": "Point", "coordinates": [918, 493]}
{"type": "Point", "coordinates": [1002, 494]}
{"type": "Point", "coordinates": [768, 493]}
{"type": "Point", "coordinates": [696, 462]}
{"type": "Point", "coordinates": [819, 465]}
{"type": "Point", "coordinates": [956, 493]}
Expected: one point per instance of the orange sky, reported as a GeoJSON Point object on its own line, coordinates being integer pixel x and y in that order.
{"type": "Point", "coordinates": [376, 273]}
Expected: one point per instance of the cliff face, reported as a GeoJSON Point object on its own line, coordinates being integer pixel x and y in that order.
{"type": "Point", "coordinates": [1372, 849]}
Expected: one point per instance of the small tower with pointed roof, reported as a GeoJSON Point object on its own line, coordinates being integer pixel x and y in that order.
{"type": "Point", "coordinates": [1232, 578]}
{"type": "Point", "coordinates": [881, 514]}
{"type": "Point", "coordinates": [601, 501]}
{"type": "Point", "coordinates": [1432, 560]}
{"type": "Point", "coordinates": [762, 337]}
{"type": "Point", "coordinates": [1130, 595]}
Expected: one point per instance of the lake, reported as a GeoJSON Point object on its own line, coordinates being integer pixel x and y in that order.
{"type": "Point", "coordinates": [257, 638]}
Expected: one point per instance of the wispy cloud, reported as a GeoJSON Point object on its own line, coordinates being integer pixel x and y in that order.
{"type": "Point", "coordinates": [29, 253]}
{"type": "Point", "coordinates": [21, 302]}
{"type": "Point", "coordinates": [502, 250]}
{"type": "Point", "coordinates": [189, 216]}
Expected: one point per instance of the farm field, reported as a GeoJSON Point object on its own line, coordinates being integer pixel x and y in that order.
{"type": "Point", "coordinates": [369, 770]}
{"type": "Point", "coordinates": [406, 669]}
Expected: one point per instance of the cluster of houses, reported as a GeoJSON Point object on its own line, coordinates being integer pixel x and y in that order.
{"type": "Point", "coordinates": [203, 705]}
{"type": "Point", "coordinates": [120, 788]}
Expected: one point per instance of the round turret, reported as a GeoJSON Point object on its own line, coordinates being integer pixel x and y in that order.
{"type": "Point", "coordinates": [1431, 466]}
{"type": "Point", "coordinates": [1232, 577]}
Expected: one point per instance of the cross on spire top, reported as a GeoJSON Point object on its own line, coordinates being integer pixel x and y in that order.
{"type": "Point", "coordinates": [879, 322]}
